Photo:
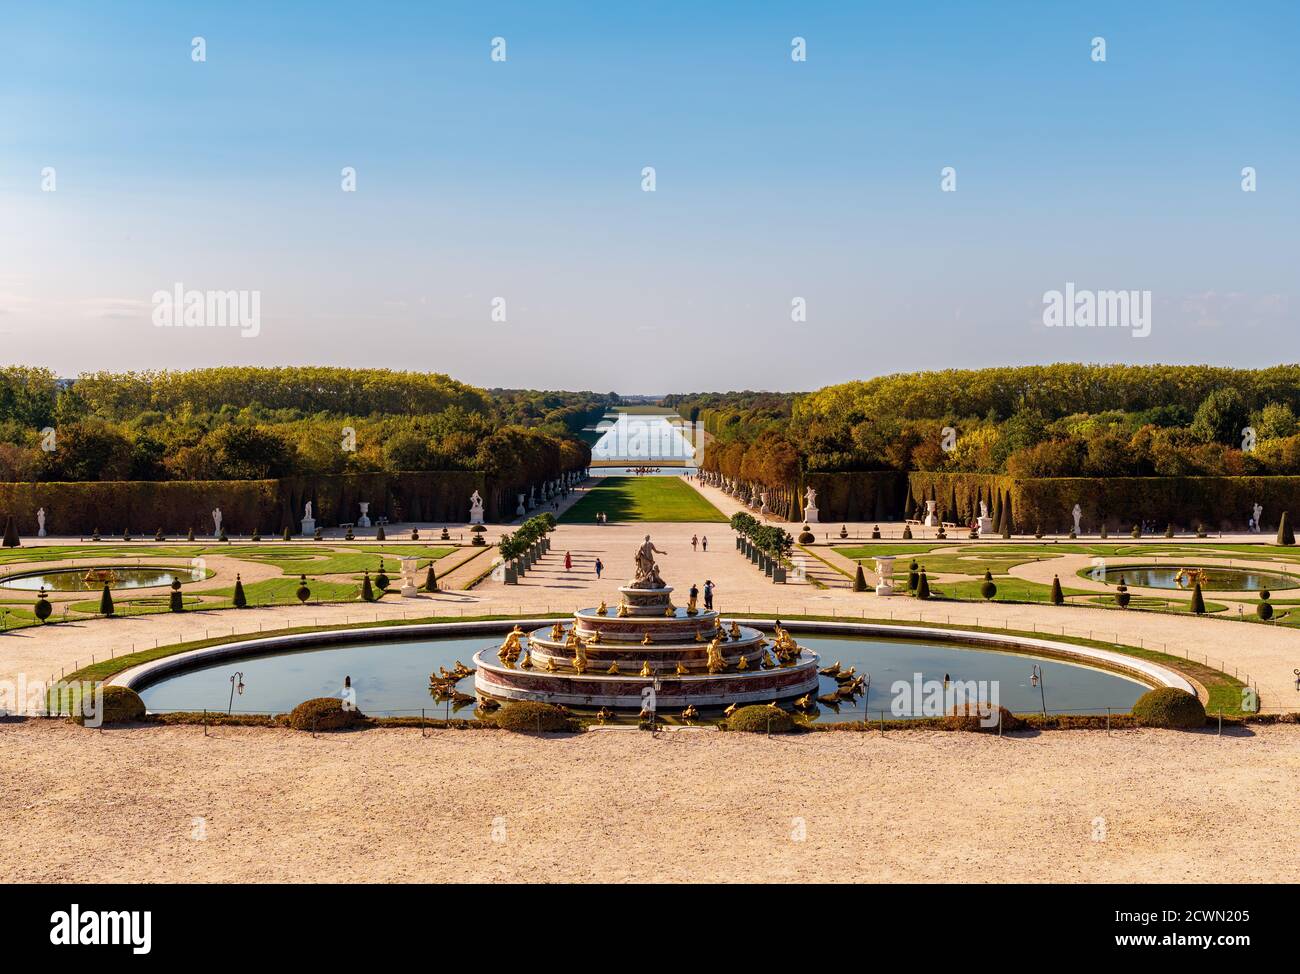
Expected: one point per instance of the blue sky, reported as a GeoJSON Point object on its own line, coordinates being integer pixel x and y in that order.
{"type": "Point", "coordinates": [522, 180]}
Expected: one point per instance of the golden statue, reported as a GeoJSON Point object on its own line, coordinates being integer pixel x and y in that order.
{"type": "Point", "coordinates": [767, 662]}
{"type": "Point", "coordinates": [594, 637]}
{"type": "Point", "coordinates": [557, 631]}
{"type": "Point", "coordinates": [729, 711]}
{"type": "Point", "coordinates": [1188, 577]}
{"type": "Point", "coordinates": [526, 663]}
{"type": "Point", "coordinates": [645, 669]}
{"type": "Point", "coordinates": [830, 670]}
{"type": "Point", "coordinates": [716, 663]}
{"type": "Point", "coordinates": [613, 668]}
{"type": "Point", "coordinates": [742, 663]}
{"type": "Point", "coordinates": [550, 664]}
{"type": "Point", "coordinates": [690, 713]}
{"type": "Point", "coordinates": [579, 656]}
{"type": "Point", "coordinates": [670, 612]}
{"type": "Point", "coordinates": [646, 640]}
{"type": "Point", "coordinates": [690, 605]}
{"type": "Point", "coordinates": [510, 649]}
{"type": "Point", "coordinates": [735, 630]}
{"type": "Point", "coordinates": [681, 669]}
{"type": "Point", "coordinates": [701, 638]}
{"type": "Point", "coordinates": [602, 610]}
{"type": "Point", "coordinates": [622, 610]}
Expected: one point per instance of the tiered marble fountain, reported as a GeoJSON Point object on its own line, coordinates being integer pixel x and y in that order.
{"type": "Point", "coordinates": [608, 655]}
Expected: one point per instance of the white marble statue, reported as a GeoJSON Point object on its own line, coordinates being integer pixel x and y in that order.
{"type": "Point", "coordinates": [216, 521]}
{"type": "Point", "coordinates": [1077, 513]}
{"type": "Point", "coordinates": [931, 519]}
{"type": "Point", "coordinates": [647, 572]}
{"type": "Point", "coordinates": [306, 512]}
{"type": "Point", "coordinates": [308, 522]}
{"type": "Point", "coordinates": [364, 520]}
{"type": "Point", "coordinates": [475, 508]}
{"type": "Point", "coordinates": [984, 509]}
{"type": "Point", "coordinates": [810, 513]}
{"type": "Point", "coordinates": [810, 498]}
{"type": "Point", "coordinates": [40, 523]}
{"type": "Point", "coordinates": [1259, 512]}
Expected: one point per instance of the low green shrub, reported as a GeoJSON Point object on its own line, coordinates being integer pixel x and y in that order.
{"type": "Point", "coordinates": [760, 719]}
{"type": "Point", "coordinates": [1169, 707]}
{"type": "Point", "coordinates": [968, 718]}
{"type": "Point", "coordinates": [122, 705]}
{"type": "Point", "coordinates": [533, 715]}
{"type": "Point", "coordinates": [322, 714]}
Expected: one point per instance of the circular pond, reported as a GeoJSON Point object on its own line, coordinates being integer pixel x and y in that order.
{"type": "Point", "coordinates": [1213, 579]}
{"type": "Point", "coordinates": [392, 677]}
{"type": "Point", "coordinates": [93, 579]}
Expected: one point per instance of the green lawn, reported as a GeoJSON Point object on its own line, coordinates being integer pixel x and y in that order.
{"type": "Point", "coordinates": [642, 499]}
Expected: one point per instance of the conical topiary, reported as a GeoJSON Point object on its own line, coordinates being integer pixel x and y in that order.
{"type": "Point", "coordinates": [158, 535]}
{"type": "Point", "coordinates": [303, 593]}
{"type": "Point", "coordinates": [1058, 597]}
{"type": "Point", "coordinates": [859, 580]}
{"type": "Point", "coordinates": [923, 587]}
{"type": "Point", "coordinates": [177, 601]}
{"type": "Point", "coordinates": [43, 607]}
{"type": "Point", "coordinates": [1122, 595]}
{"type": "Point", "coordinates": [987, 588]}
{"type": "Point", "coordinates": [316, 535]}
{"type": "Point", "coordinates": [379, 534]}
{"type": "Point", "coordinates": [126, 534]}
{"type": "Point", "coordinates": [288, 534]}
{"type": "Point", "coordinates": [907, 532]}
{"type": "Point", "coordinates": [1169, 531]}
{"type": "Point", "coordinates": [189, 535]}
{"type": "Point", "coordinates": [1103, 533]}
{"type": "Point", "coordinates": [240, 599]}
{"type": "Point", "coordinates": [431, 579]}
{"type": "Point", "coordinates": [349, 536]}
{"type": "Point", "coordinates": [11, 532]}
{"type": "Point", "coordinates": [875, 533]}
{"type": "Point", "coordinates": [1264, 610]}
{"type": "Point", "coordinates": [222, 535]}
{"type": "Point", "coordinates": [367, 590]}
{"type": "Point", "coordinates": [1137, 531]}
{"type": "Point", "coordinates": [1284, 533]}
{"type": "Point", "coordinates": [94, 535]}
{"type": "Point", "coordinates": [1198, 600]}
{"type": "Point", "coordinates": [257, 535]}
{"type": "Point", "coordinates": [913, 579]}
{"type": "Point", "coordinates": [106, 601]}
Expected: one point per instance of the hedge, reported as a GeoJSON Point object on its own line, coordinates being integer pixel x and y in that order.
{"type": "Point", "coordinates": [323, 713]}
{"type": "Point", "coordinates": [122, 705]}
{"type": "Point", "coordinates": [1169, 707]}
{"type": "Point", "coordinates": [760, 719]}
{"type": "Point", "coordinates": [532, 715]}
{"type": "Point", "coordinates": [180, 506]}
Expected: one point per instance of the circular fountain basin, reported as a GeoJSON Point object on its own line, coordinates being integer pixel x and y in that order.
{"type": "Point", "coordinates": [86, 579]}
{"type": "Point", "coordinates": [390, 671]}
{"type": "Point", "coordinates": [1214, 578]}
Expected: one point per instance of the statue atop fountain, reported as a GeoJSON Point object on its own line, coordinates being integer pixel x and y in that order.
{"type": "Point", "coordinates": [647, 572]}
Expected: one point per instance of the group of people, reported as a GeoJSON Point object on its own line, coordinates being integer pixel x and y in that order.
{"type": "Point", "coordinates": [696, 542]}
{"type": "Point", "coordinates": [708, 593]}
{"type": "Point", "coordinates": [601, 519]}
{"type": "Point", "coordinates": [599, 565]}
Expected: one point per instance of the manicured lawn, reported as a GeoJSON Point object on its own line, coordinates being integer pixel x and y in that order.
{"type": "Point", "coordinates": [642, 499]}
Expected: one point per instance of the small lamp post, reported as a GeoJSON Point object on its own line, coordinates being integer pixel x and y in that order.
{"type": "Point", "coordinates": [1036, 680]}
{"type": "Point", "coordinates": [236, 683]}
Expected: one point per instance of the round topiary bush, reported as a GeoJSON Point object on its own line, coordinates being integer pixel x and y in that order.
{"type": "Point", "coordinates": [806, 536]}
{"type": "Point", "coordinates": [322, 714]}
{"type": "Point", "coordinates": [122, 705]}
{"type": "Point", "coordinates": [760, 719]}
{"type": "Point", "coordinates": [533, 715]}
{"type": "Point", "coordinates": [987, 588]}
{"type": "Point", "coordinates": [1169, 707]}
{"type": "Point", "coordinates": [1264, 610]}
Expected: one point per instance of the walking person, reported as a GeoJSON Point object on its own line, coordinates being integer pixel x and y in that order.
{"type": "Point", "coordinates": [599, 568]}
{"type": "Point", "coordinates": [704, 542]}
{"type": "Point", "coordinates": [568, 562]}
{"type": "Point", "coordinates": [695, 594]}
{"type": "Point", "coordinates": [708, 594]}
{"type": "Point", "coordinates": [695, 543]}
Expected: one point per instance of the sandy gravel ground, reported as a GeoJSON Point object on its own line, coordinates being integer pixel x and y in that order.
{"type": "Point", "coordinates": [388, 805]}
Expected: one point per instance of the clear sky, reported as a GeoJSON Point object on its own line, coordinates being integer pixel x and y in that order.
{"type": "Point", "coordinates": [522, 179]}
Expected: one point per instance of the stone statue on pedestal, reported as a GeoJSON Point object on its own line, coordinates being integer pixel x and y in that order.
{"type": "Point", "coordinates": [475, 508]}
{"type": "Point", "coordinates": [216, 521]}
{"type": "Point", "coordinates": [40, 523]}
{"type": "Point", "coordinates": [1077, 513]}
{"type": "Point", "coordinates": [647, 572]}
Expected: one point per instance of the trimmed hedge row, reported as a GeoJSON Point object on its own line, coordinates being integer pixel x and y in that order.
{"type": "Point", "coordinates": [265, 505]}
